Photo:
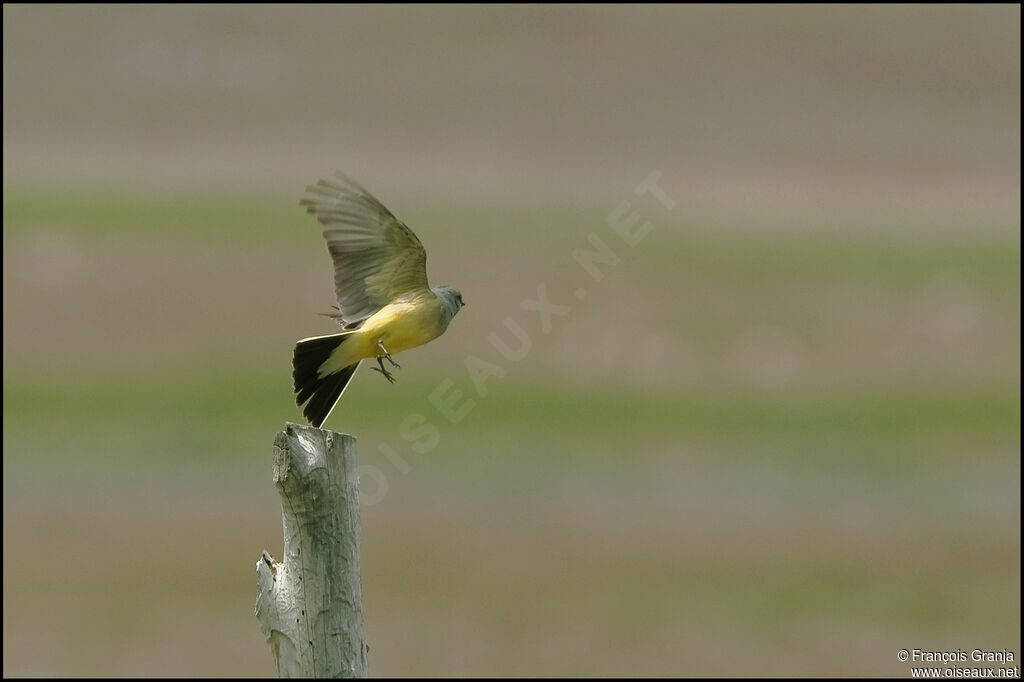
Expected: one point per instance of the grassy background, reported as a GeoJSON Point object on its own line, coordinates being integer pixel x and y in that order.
{"type": "Point", "coordinates": [780, 437]}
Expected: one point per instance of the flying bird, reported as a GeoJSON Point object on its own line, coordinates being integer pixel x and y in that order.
{"type": "Point", "coordinates": [384, 302]}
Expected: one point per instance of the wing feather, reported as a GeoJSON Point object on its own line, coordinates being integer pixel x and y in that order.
{"type": "Point", "coordinates": [377, 259]}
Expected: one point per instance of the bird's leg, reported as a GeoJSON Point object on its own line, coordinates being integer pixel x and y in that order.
{"type": "Point", "coordinates": [380, 361]}
{"type": "Point", "coordinates": [380, 344]}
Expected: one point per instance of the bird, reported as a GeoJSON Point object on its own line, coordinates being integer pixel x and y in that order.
{"type": "Point", "coordinates": [385, 304]}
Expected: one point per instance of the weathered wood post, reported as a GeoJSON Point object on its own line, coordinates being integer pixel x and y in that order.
{"type": "Point", "coordinates": [310, 605]}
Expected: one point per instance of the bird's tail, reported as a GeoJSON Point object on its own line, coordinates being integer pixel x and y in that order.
{"type": "Point", "coordinates": [322, 392]}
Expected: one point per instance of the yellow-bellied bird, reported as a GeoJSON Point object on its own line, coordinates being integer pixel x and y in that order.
{"type": "Point", "coordinates": [384, 301]}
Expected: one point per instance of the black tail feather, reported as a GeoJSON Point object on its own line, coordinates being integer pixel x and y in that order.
{"type": "Point", "coordinates": [321, 392]}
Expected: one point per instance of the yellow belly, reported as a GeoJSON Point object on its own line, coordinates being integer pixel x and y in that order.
{"type": "Point", "coordinates": [398, 326]}
{"type": "Point", "coordinates": [401, 326]}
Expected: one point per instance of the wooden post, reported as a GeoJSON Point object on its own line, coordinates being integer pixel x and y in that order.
{"type": "Point", "coordinates": [310, 605]}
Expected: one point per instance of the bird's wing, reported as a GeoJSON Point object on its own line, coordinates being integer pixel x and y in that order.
{"type": "Point", "coordinates": [377, 259]}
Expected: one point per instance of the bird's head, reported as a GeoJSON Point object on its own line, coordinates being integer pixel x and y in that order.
{"type": "Point", "coordinates": [451, 297]}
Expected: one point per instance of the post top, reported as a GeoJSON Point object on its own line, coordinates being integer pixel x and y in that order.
{"type": "Point", "coordinates": [292, 427]}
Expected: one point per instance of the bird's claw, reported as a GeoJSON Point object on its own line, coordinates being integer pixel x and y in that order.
{"type": "Point", "coordinates": [387, 375]}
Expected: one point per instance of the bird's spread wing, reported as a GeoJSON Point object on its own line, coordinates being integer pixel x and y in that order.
{"type": "Point", "coordinates": [377, 259]}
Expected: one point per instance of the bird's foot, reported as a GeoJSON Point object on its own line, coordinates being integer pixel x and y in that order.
{"type": "Point", "coordinates": [387, 375]}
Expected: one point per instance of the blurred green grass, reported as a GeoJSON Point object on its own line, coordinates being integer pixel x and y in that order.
{"type": "Point", "coordinates": [743, 249]}
{"type": "Point", "coordinates": [245, 401]}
